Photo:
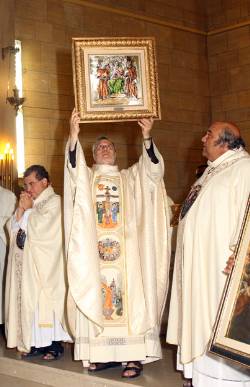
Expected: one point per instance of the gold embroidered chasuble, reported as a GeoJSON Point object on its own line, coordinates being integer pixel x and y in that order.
{"type": "Point", "coordinates": [118, 240]}
{"type": "Point", "coordinates": [36, 275]}
{"type": "Point", "coordinates": [207, 235]}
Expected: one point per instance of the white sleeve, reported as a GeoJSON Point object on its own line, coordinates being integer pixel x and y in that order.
{"type": "Point", "coordinates": [21, 223]}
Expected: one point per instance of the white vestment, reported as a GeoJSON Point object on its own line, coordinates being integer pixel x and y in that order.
{"type": "Point", "coordinates": [35, 281]}
{"type": "Point", "coordinates": [7, 206]}
{"type": "Point", "coordinates": [206, 238]}
{"type": "Point", "coordinates": [118, 243]}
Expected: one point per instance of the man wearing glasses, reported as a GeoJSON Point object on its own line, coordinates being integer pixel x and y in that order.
{"type": "Point", "coordinates": [118, 247]}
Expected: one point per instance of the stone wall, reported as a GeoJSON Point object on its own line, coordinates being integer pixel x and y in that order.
{"type": "Point", "coordinates": [46, 27]}
{"type": "Point", "coordinates": [184, 52]}
{"type": "Point", "coordinates": [7, 113]}
{"type": "Point", "coordinates": [229, 62]}
{"type": "Point", "coordinates": [226, 13]}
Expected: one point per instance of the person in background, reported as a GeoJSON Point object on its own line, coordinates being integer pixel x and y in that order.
{"type": "Point", "coordinates": [210, 221]}
{"type": "Point", "coordinates": [35, 281]}
{"type": "Point", "coordinates": [7, 207]}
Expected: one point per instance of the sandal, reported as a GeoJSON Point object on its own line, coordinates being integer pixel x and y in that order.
{"type": "Point", "coordinates": [95, 367]}
{"type": "Point", "coordinates": [34, 352]}
{"type": "Point", "coordinates": [187, 383]}
{"type": "Point", "coordinates": [135, 366]}
{"type": "Point", "coordinates": [52, 355]}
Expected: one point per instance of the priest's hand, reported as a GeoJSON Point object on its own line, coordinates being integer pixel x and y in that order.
{"type": "Point", "coordinates": [25, 202]}
{"type": "Point", "coordinates": [74, 128]}
{"type": "Point", "coordinates": [146, 125]}
{"type": "Point", "coordinates": [230, 264]}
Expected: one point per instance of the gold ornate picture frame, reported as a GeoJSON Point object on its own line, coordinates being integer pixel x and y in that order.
{"type": "Point", "coordinates": [231, 336]}
{"type": "Point", "coordinates": [115, 79]}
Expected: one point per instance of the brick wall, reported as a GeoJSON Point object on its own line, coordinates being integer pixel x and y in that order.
{"type": "Point", "coordinates": [46, 27]}
{"type": "Point", "coordinates": [226, 13]}
{"type": "Point", "coordinates": [7, 113]}
{"type": "Point", "coordinates": [229, 63]}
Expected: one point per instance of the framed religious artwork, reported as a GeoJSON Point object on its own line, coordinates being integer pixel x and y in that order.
{"type": "Point", "coordinates": [231, 336]}
{"type": "Point", "coordinates": [115, 79]}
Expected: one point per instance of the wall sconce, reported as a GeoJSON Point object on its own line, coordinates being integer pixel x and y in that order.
{"type": "Point", "coordinates": [9, 49]}
{"type": "Point", "coordinates": [7, 167]}
{"type": "Point", "coordinates": [16, 100]}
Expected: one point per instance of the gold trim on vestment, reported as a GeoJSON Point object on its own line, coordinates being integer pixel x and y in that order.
{"type": "Point", "coordinates": [109, 215]}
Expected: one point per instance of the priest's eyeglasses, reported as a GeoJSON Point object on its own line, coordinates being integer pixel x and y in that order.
{"type": "Point", "coordinates": [104, 146]}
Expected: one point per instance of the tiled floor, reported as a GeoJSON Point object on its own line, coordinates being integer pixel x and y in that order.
{"type": "Point", "coordinates": [10, 381]}
{"type": "Point", "coordinates": [158, 374]}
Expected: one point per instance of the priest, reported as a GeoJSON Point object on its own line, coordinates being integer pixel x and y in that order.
{"type": "Point", "coordinates": [36, 281]}
{"type": "Point", "coordinates": [209, 226]}
{"type": "Point", "coordinates": [118, 251]}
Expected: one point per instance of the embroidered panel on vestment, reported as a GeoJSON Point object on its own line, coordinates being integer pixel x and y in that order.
{"type": "Point", "coordinates": [107, 192]}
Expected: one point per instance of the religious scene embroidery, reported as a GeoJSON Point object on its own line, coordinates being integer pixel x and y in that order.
{"type": "Point", "coordinates": [110, 235]}
{"type": "Point", "coordinates": [107, 205]}
{"type": "Point", "coordinates": [109, 249]}
{"type": "Point", "coordinates": [111, 281]}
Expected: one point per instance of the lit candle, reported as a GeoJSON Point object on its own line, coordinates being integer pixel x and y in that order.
{"type": "Point", "coordinates": [11, 168]}
{"type": "Point", "coordinates": [4, 168]}
{"type": "Point", "coordinates": [1, 169]}
{"type": "Point", "coordinates": [7, 167]}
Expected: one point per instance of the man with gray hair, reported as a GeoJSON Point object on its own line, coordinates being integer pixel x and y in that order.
{"type": "Point", "coordinates": [209, 226]}
{"type": "Point", "coordinates": [118, 245]}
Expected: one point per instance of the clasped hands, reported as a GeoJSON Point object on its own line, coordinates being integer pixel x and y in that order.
{"type": "Point", "coordinates": [25, 201]}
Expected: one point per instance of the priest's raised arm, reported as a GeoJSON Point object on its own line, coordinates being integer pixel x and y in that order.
{"type": "Point", "coordinates": [118, 250]}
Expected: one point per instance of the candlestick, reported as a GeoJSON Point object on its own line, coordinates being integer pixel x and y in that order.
{"type": "Point", "coordinates": [7, 167]}
{"type": "Point", "coordinates": [1, 169]}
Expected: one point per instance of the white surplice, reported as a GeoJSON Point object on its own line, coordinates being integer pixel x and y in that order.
{"type": "Point", "coordinates": [128, 212]}
{"type": "Point", "coordinates": [7, 206]}
{"type": "Point", "coordinates": [35, 281]}
{"type": "Point", "coordinates": [206, 238]}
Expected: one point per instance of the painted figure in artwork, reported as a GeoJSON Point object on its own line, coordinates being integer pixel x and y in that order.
{"type": "Point", "coordinates": [131, 79]}
{"type": "Point", "coordinates": [116, 82]}
{"type": "Point", "coordinates": [103, 76]}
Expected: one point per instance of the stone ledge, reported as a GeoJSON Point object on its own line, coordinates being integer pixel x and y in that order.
{"type": "Point", "coordinates": [50, 376]}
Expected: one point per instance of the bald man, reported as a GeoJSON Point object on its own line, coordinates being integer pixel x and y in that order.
{"type": "Point", "coordinates": [210, 221]}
